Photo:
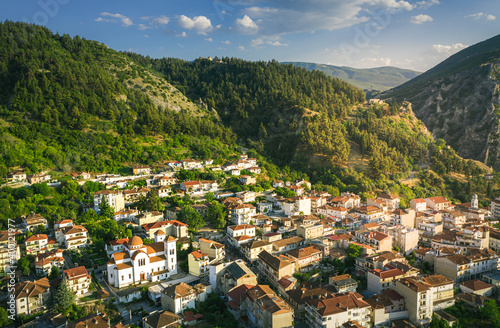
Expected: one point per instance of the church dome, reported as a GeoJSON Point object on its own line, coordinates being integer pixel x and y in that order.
{"type": "Point", "coordinates": [136, 241]}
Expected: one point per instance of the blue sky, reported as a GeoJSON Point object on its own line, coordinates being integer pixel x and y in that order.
{"type": "Point", "coordinates": [414, 34]}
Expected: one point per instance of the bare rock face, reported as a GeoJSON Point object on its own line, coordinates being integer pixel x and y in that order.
{"type": "Point", "coordinates": [464, 110]}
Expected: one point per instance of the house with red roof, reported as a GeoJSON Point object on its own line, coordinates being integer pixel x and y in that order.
{"type": "Point", "coordinates": [78, 280]}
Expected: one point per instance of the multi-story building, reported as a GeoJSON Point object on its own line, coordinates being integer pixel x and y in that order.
{"type": "Point", "coordinates": [213, 249]}
{"type": "Point", "coordinates": [46, 261]}
{"type": "Point", "coordinates": [242, 213]}
{"type": "Point", "coordinates": [311, 231]}
{"type": "Point", "coordinates": [379, 280]}
{"type": "Point", "coordinates": [405, 238]}
{"type": "Point", "coordinates": [275, 267]}
{"type": "Point", "coordinates": [141, 169]}
{"type": "Point", "coordinates": [392, 201]}
{"type": "Point", "coordinates": [32, 221]}
{"type": "Point", "coordinates": [161, 319]}
{"type": "Point", "coordinates": [32, 297]}
{"type": "Point", "coordinates": [148, 217]}
{"type": "Point", "coordinates": [427, 230]}
{"type": "Point", "coordinates": [178, 297]}
{"type": "Point", "coordinates": [299, 205]}
{"type": "Point", "coordinates": [78, 280]}
{"type": "Point", "coordinates": [437, 203]}
{"type": "Point", "coordinates": [199, 187]}
{"type": "Point", "coordinates": [418, 204]}
{"type": "Point", "coordinates": [140, 263]}
{"type": "Point", "coordinates": [252, 249]}
{"type": "Point", "coordinates": [387, 307]}
{"type": "Point", "coordinates": [240, 234]}
{"type": "Point", "coordinates": [418, 299]}
{"type": "Point", "coordinates": [226, 276]}
{"type": "Point", "coordinates": [9, 251]}
{"type": "Point", "coordinates": [495, 209]}
{"type": "Point", "coordinates": [114, 198]}
{"type": "Point", "coordinates": [306, 259]}
{"type": "Point", "coordinates": [265, 309]}
{"type": "Point", "coordinates": [405, 217]}
{"type": "Point", "coordinates": [173, 228]}
{"type": "Point", "coordinates": [198, 264]}
{"type": "Point", "coordinates": [370, 213]}
{"type": "Point", "coordinates": [442, 291]}
{"type": "Point", "coordinates": [332, 211]}
{"type": "Point", "coordinates": [463, 267]}
{"type": "Point", "coordinates": [343, 283]}
{"type": "Point", "coordinates": [40, 243]}
{"type": "Point", "coordinates": [287, 244]}
{"type": "Point", "coordinates": [453, 219]}
{"type": "Point", "coordinates": [381, 242]}
{"type": "Point", "coordinates": [72, 236]}
{"type": "Point", "coordinates": [337, 310]}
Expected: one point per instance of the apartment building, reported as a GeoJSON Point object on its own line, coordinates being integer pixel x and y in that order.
{"type": "Point", "coordinates": [311, 231]}
{"type": "Point", "coordinates": [307, 258]}
{"type": "Point", "coordinates": [198, 264]}
{"type": "Point", "coordinates": [265, 309]}
{"type": "Point", "coordinates": [418, 299]}
{"type": "Point", "coordinates": [78, 280]}
{"type": "Point", "coordinates": [32, 296]}
{"type": "Point", "coordinates": [275, 267]}
{"type": "Point", "coordinates": [463, 267]}
{"type": "Point", "coordinates": [404, 237]}
{"type": "Point", "coordinates": [299, 205]}
{"type": "Point", "coordinates": [178, 297]}
{"type": "Point", "coordinates": [114, 198]}
{"type": "Point", "coordinates": [337, 310]}
{"type": "Point", "coordinates": [40, 243]}
{"type": "Point", "coordinates": [242, 213]}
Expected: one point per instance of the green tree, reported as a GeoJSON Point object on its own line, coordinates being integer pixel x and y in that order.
{"type": "Point", "coordinates": [63, 298]}
{"type": "Point", "coordinates": [4, 318]}
{"type": "Point", "coordinates": [189, 216]}
{"type": "Point", "coordinates": [353, 251]}
{"type": "Point", "coordinates": [209, 196]}
{"type": "Point", "coordinates": [105, 210]}
{"type": "Point", "coordinates": [54, 273]}
{"type": "Point", "coordinates": [217, 215]}
{"type": "Point", "coordinates": [24, 265]}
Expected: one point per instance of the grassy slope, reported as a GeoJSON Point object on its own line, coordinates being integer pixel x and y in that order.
{"type": "Point", "coordinates": [378, 78]}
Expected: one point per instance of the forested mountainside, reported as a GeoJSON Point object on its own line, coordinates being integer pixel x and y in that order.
{"type": "Point", "coordinates": [65, 105]}
{"type": "Point", "coordinates": [273, 100]}
{"type": "Point", "coordinates": [377, 78]}
{"type": "Point", "coordinates": [459, 101]}
{"type": "Point", "coordinates": [70, 104]}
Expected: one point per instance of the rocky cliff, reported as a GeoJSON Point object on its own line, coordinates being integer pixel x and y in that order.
{"type": "Point", "coordinates": [463, 109]}
{"type": "Point", "coordinates": [459, 100]}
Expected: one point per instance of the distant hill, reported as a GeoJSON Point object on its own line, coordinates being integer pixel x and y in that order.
{"type": "Point", "coordinates": [459, 100]}
{"type": "Point", "coordinates": [379, 78]}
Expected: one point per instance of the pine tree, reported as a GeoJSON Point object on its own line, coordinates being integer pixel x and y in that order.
{"type": "Point", "coordinates": [63, 298]}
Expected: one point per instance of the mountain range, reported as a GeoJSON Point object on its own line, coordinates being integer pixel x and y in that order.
{"type": "Point", "coordinates": [372, 79]}
{"type": "Point", "coordinates": [459, 101]}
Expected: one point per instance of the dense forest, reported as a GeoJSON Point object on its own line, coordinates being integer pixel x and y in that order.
{"type": "Point", "coordinates": [271, 99]}
{"type": "Point", "coordinates": [60, 108]}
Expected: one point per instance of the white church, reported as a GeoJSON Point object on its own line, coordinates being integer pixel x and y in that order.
{"type": "Point", "coordinates": [139, 263]}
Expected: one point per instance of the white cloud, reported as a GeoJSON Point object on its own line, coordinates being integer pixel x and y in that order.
{"type": "Point", "coordinates": [182, 35]}
{"type": "Point", "coordinates": [226, 42]}
{"type": "Point", "coordinates": [420, 19]}
{"type": "Point", "coordinates": [448, 49]}
{"type": "Point", "coordinates": [242, 48]}
{"type": "Point", "coordinates": [143, 27]}
{"type": "Point", "coordinates": [279, 17]}
{"type": "Point", "coordinates": [246, 25]}
{"type": "Point", "coordinates": [426, 4]}
{"type": "Point", "coordinates": [200, 24]}
{"type": "Point", "coordinates": [160, 20]}
{"type": "Point", "coordinates": [481, 15]}
{"type": "Point", "coordinates": [115, 18]}
{"type": "Point", "coordinates": [269, 40]}
{"type": "Point", "coordinates": [209, 39]}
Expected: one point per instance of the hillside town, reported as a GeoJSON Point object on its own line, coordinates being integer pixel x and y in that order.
{"type": "Point", "coordinates": [286, 256]}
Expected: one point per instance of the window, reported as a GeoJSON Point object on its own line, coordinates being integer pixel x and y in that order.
{"type": "Point", "coordinates": [130, 276]}
{"type": "Point", "coordinates": [123, 278]}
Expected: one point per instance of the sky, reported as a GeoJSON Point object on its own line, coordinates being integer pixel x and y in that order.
{"type": "Point", "coordinates": [412, 34]}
